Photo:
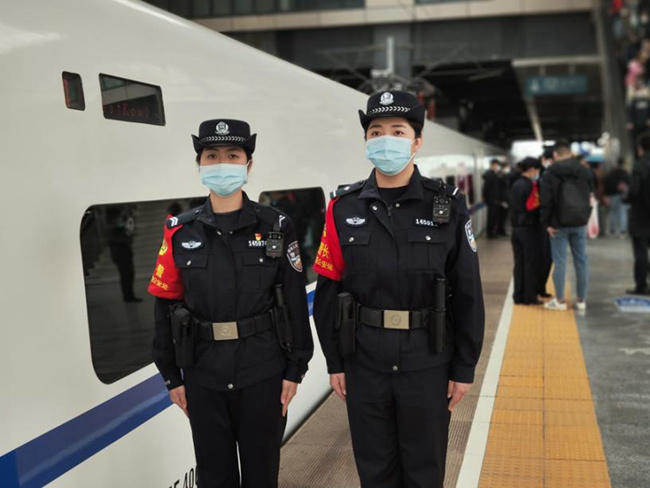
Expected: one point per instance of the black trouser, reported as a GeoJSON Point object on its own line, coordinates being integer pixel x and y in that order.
{"type": "Point", "coordinates": [527, 254]}
{"type": "Point", "coordinates": [493, 219]}
{"type": "Point", "coordinates": [399, 424]}
{"type": "Point", "coordinates": [122, 256]}
{"type": "Point", "coordinates": [545, 261]}
{"type": "Point", "coordinates": [641, 269]}
{"type": "Point", "coordinates": [503, 218]}
{"type": "Point", "coordinates": [249, 418]}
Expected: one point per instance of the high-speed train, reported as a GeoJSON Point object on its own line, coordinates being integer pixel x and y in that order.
{"type": "Point", "coordinates": [99, 98]}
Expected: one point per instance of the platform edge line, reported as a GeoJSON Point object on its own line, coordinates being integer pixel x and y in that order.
{"type": "Point", "coordinates": [470, 470]}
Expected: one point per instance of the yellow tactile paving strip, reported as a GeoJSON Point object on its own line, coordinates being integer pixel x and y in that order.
{"type": "Point", "coordinates": [544, 432]}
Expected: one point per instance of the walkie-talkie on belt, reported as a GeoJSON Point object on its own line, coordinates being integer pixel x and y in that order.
{"type": "Point", "coordinates": [275, 240]}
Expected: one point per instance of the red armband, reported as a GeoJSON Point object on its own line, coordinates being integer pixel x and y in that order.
{"type": "Point", "coordinates": [329, 260]}
{"type": "Point", "coordinates": [166, 281]}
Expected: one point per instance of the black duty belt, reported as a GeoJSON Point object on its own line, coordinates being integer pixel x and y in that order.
{"type": "Point", "coordinates": [394, 319]}
{"type": "Point", "coordinates": [228, 331]}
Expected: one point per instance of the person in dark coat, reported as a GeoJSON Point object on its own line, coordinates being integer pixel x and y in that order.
{"type": "Point", "coordinates": [639, 228]}
{"type": "Point", "coordinates": [616, 185]}
{"type": "Point", "coordinates": [526, 233]}
{"type": "Point", "coordinates": [492, 197]}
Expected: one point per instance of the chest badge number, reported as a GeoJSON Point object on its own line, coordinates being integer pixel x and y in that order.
{"type": "Point", "coordinates": [191, 245]}
{"type": "Point", "coordinates": [425, 223]}
{"type": "Point", "coordinates": [356, 221]}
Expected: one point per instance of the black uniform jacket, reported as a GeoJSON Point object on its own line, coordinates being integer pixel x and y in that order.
{"type": "Point", "coordinates": [226, 276]}
{"type": "Point", "coordinates": [524, 201]}
{"type": "Point", "coordinates": [388, 257]}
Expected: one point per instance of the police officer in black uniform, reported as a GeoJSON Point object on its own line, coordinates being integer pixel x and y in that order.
{"type": "Point", "coordinates": [232, 335]}
{"type": "Point", "coordinates": [398, 306]}
{"type": "Point", "coordinates": [527, 233]}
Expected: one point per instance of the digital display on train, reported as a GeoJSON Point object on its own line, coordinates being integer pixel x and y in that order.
{"type": "Point", "coordinates": [131, 101]}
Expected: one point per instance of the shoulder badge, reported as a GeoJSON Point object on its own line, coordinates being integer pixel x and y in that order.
{"type": "Point", "coordinates": [345, 189]}
{"type": "Point", "coordinates": [469, 232]}
{"type": "Point", "coordinates": [183, 218]}
{"type": "Point", "coordinates": [441, 187]}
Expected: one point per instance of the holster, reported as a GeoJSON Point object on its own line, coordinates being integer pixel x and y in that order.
{"type": "Point", "coordinates": [281, 320]}
{"type": "Point", "coordinates": [439, 316]}
{"type": "Point", "coordinates": [182, 334]}
{"type": "Point", "coordinates": [346, 324]}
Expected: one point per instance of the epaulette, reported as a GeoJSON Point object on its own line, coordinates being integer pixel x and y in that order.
{"type": "Point", "coordinates": [183, 217]}
{"type": "Point", "coordinates": [439, 186]}
{"type": "Point", "coordinates": [345, 189]}
{"type": "Point", "coordinates": [268, 213]}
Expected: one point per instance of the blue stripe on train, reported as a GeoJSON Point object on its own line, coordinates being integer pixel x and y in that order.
{"type": "Point", "coordinates": [45, 458]}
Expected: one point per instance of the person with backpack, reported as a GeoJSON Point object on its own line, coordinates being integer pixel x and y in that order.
{"type": "Point", "coordinates": [639, 225]}
{"type": "Point", "coordinates": [565, 195]}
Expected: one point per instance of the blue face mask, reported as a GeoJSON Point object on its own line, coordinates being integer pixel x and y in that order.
{"type": "Point", "coordinates": [534, 177]}
{"type": "Point", "coordinates": [224, 179]}
{"type": "Point", "coordinates": [389, 154]}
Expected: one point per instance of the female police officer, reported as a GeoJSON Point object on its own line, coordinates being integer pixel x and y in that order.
{"type": "Point", "coordinates": [399, 257]}
{"type": "Point", "coordinates": [231, 313]}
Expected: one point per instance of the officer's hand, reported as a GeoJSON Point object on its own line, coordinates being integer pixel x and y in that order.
{"type": "Point", "coordinates": [456, 391]}
{"type": "Point", "coordinates": [177, 396]}
{"type": "Point", "coordinates": [337, 382]}
{"type": "Point", "coordinates": [552, 231]}
{"type": "Point", "coordinates": [289, 389]}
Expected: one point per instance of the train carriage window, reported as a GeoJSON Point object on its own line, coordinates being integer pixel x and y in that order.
{"type": "Point", "coordinates": [119, 246]}
{"type": "Point", "coordinates": [306, 207]}
{"type": "Point", "coordinates": [131, 101]}
{"type": "Point", "coordinates": [201, 9]}
{"type": "Point", "coordinates": [73, 91]}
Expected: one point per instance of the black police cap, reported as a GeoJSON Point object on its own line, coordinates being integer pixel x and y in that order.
{"type": "Point", "coordinates": [392, 103]}
{"type": "Point", "coordinates": [224, 132]}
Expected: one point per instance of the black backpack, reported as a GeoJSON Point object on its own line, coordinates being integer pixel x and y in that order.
{"type": "Point", "coordinates": [573, 209]}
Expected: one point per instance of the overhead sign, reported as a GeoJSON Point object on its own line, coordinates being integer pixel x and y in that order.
{"type": "Point", "coordinates": [539, 86]}
{"type": "Point", "coordinates": [633, 304]}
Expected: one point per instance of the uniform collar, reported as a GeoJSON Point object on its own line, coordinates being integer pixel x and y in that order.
{"type": "Point", "coordinates": [414, 190]}
{"type": "Point", "coordinates": [247, 216]}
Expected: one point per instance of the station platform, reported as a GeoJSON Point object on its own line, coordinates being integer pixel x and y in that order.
{"type": "Point", "coordinates": [560, 399]}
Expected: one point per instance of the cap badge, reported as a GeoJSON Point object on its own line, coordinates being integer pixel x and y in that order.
{"type": "Point", "coordinates": [222, 129]}
{"type": "Point", "coordinates": [386, 98]}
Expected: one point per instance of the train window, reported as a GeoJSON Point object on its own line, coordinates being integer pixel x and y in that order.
{"type": "Point", "coordinates": [306, 207]}
{"type": "Point", "coordinates": [221, 8]}
{"type": "Point", "coordinates": [201, 9]}
{"type": "Point", "coordinates": [243, 7]}
{"type": "Point", "coordinates": [119, 246]}
{"type": "Point", "coordinates": [73, 91]}
{"type": "Point", "coordinates": [131, 101]}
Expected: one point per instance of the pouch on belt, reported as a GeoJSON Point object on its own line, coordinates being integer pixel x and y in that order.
{"type": "Point", "coordinates": [182, 334]}
{"type": "Point", "coordinates": [347, 324]}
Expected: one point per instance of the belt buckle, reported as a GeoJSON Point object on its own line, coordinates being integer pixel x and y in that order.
{"type": "Point", "coordinates": [396, 319]}
{"type": "Point", "coordinates": [224, 331]}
